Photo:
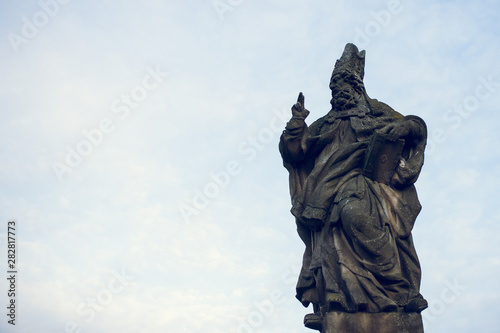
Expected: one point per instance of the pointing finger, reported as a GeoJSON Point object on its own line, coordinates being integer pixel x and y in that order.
{"type": "Point", "coordinates": [300, 99]}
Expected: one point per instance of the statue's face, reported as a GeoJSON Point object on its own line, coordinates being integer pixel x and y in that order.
{"type": "Point", "coordinates": [344, 94]}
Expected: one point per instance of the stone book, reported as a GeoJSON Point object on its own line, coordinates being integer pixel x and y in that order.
{"type": "Point", "coordinates": [382, 157]}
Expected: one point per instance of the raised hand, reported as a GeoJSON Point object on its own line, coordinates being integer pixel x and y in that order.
{"type": "Point", "coordinates": [298, 109]}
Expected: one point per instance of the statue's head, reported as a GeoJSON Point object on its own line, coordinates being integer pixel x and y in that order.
{"type": "Point", "coordinates": [347, 86]}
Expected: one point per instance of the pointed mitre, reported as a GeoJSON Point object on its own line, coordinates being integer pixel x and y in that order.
{"type": "Point", "coordinates": [351, 62]}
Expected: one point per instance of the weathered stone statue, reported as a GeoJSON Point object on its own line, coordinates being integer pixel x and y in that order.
{"type": "Point", "coordinates": [351, 183]}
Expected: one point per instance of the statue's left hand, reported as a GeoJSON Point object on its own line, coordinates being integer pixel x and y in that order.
{"type": "Point", "coordinates": [396, 130]}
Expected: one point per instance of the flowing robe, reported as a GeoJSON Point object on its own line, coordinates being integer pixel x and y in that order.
{"type": "Point", "coordinates": [359, 252]}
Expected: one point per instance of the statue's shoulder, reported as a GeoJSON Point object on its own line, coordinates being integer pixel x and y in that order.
{"type": "Point", "coordinates": [315, 127]}
{"type": "Point", "coordinates": [381, 109]}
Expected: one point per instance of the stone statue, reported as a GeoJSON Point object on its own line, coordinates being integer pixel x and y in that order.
{"type": "Point", "coordinates": [351, 183]}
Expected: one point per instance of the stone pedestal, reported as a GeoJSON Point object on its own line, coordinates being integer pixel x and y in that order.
{"type": "Point", "coordinates": [362, 322]}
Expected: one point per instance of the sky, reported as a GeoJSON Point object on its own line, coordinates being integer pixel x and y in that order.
{"type": "Point", "coordinates": [140, 161]}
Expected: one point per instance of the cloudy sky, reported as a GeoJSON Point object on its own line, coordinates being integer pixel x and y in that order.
{"type": "Point", "coordinates": [139, 156]}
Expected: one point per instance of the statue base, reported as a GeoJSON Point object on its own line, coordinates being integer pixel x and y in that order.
{"type": "Point", "coordinates": [364, 322]}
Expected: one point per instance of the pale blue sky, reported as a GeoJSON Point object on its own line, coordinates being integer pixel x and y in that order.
{"type": "Point", "coordinates": [217, 114]}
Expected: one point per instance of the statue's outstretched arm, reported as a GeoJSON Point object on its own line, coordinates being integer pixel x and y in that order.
{"type": "Point", "coordinates": [292, 143]}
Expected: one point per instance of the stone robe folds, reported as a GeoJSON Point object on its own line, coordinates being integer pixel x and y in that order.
{"type": "Point", "coordinates": [359, 252]}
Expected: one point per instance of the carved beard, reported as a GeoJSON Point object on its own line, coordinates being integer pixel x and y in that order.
{"type": "Point", "coordinates": [344, 100]}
